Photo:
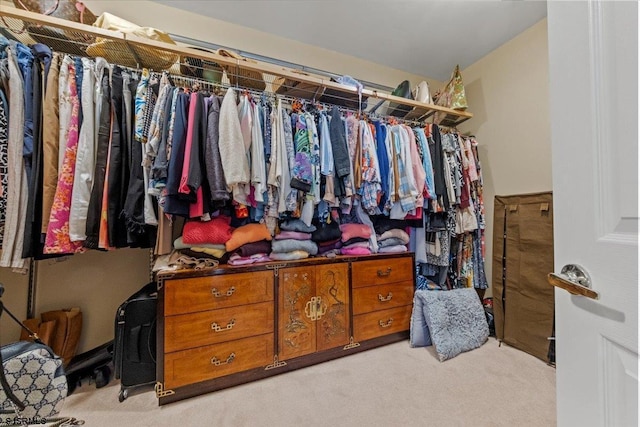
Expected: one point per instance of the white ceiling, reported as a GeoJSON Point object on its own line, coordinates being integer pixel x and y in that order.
{"type": "Point", "coordinates": [423, 37]}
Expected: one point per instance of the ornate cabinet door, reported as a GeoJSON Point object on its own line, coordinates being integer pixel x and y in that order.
{"type": "Point", "coordinates": [332, 296]}
{"type": "Point", "coordinates": [296, 318]}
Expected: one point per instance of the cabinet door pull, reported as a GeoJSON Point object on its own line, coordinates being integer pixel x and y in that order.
{"type": "Point", "coordinates": [217, 362]}
{"type": "Point", "coordinates": [314, 309]}
{"type": "Point", "coordinates": [218, 294]}
{"type": "Point", "coordinates": [385, 299]}
{"type": "Point", "coordinates": [215, 327]}
{"type": "Point", "coordinates": [310, 308]}
{"type": "Point", "coordinates": [383, 273]}
{"type": "Point", "coordinates": [385, 324]}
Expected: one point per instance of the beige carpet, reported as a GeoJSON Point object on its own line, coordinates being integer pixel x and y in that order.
{"type": "Point", "coordinates": [393, 386]}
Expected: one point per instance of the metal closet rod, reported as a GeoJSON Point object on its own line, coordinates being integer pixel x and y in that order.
{"type": "Point", "coordinates": [204, 84]}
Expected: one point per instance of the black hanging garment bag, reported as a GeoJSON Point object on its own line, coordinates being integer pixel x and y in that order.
{"type": "Point", "coordinates": [134, 354]}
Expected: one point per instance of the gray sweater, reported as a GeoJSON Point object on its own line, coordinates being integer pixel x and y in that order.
{"type": "Point", "coordinates": [215, 173]}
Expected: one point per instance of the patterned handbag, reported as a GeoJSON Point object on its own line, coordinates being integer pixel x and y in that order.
{"type": "Point", "coordinates": [452, 96]}
{"type": "Point", "coordinates": [33, 381]}
{"type": "Point", "coordinates": [71, 10]}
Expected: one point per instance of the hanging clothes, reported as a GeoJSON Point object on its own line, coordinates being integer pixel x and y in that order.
{"type": "Point", "coordinates": [144, 148]}
{"type": "Point", "coordinates": [233, 150]}
{"type": "Point", "coordinates": [173, 204]}
{"type": "Point", "coordinates": [104, 125]}
{"type": "Point", "coordinates": [18, 56]}
{"type": "Point", "coordinates": [301, 173]}
{"type": "Point", "coordinates": [4, 140]}
{"type": "Point", "coordinates": [118, 170]}
{"type": "Point", "coordinates": [370, 188]}
{"type": "Point", "coordinates": [32, 248]}
{"type": "Point", "coordinates": [192, 180]}
{"type": "Point", "coordinates": [258, 164]}
{"type": "Point", "coordinates": [213, 161]}
{"type": "Point", "coordinates": [86, 157]}
{"type": "Point", "coordinates": [50, 139]}
{"type": "Point", "coordinates": [427, 165]}
{"type": "Point", "coordinates": [57, 239]}
{"type": "Point", "coordinates": [383, 162]}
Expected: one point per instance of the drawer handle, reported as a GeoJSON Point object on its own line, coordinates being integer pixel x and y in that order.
{"type": "Point", "coordinates": [217, 327]}
{"type": "Point", "coordinates": [385, 324]}
{"type": "Point", "coordinates": [217, 362]}
{"type": "Point", "coordinates": [386, 273]}
{"type": "Point", "coordinates": [217, 294]}
{"type": "Point", "coordinates": [385, 299]}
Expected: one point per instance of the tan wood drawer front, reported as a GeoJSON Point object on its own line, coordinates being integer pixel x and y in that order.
{"type": "Point", "coordinates": [381, 297]}
{"type": "Point", "coordinates": [379, 272]}
{"type": "Point", "coordinates": [211, 292]}
{"type": "Point", "coordinates": [211, 327]}
{"type": "Point", "coordinates": [383, 322]}
{"type": "Point", "coordinates": [204, 363]}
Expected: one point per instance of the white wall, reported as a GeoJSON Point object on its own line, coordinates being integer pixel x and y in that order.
{"type": "Point", "coordinates": [508, 93]}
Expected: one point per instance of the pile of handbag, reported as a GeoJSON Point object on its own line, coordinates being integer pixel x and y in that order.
{"type": "Point", "coordinates": [451, 96]}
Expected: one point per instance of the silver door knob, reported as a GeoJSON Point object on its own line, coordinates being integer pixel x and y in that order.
{"type": "Point", "coordinates": [573, 279]}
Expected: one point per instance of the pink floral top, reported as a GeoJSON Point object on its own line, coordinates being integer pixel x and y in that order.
{"type": "Point", "coordinates": [57, 239]}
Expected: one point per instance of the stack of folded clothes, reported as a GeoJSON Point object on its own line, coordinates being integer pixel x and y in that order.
{"type": "Point", "coordinates": [355, 239]}
{"type": "Point", "coordinates": [250, 253]}
{"type": "Point", "coordinates": [393, 241]}
{"type": "Point", "coordinates": [205, 237]}
{"type": "Point", "coordinates": [293, 241]}
{"type": "Point", "coordinates": [248, 244]}
{"type": "Point", "coordinates": [327, 236]}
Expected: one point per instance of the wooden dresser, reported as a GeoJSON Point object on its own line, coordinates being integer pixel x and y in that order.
{"type": "Point", "coordinates": [231, 325]}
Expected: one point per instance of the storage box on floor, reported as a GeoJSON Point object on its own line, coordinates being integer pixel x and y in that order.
{"type": "Point", "coordinates": [522, 258]}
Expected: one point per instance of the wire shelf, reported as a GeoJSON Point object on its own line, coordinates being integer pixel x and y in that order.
{"type": "Point", "coordinates": [208, 66]}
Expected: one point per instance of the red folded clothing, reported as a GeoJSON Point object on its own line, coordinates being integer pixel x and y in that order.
{"type": "Point", "coordinates": [214, 232]}
{"type": "Point", "coordinates": [350, 231]}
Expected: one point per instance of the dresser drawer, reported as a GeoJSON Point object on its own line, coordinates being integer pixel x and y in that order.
{"type": "Point", "coordinates": [195, 294]}
{"type": "Point", "coordinates": [379, 272]}
{"type": "Point", "coordinates": [380, 323]}
{"type": "Point", "coordinates": [381, 297]}
{"type": "Point", "coordinates": [205, 363]}
{"type": "Point", "coordinates": [215, 326]}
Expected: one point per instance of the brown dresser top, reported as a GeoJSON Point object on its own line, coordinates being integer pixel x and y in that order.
{"type": "Point", "coordinates": [229, 269]}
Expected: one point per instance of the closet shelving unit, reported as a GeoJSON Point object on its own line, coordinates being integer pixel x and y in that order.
{"type": "Point", "coordinates": [182, 377]}
{"type": "Point", "coordinates": [73, 38]}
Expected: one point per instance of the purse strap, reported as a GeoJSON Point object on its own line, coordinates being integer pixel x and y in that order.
{"type": "Point", "coordinates": [3, 379]}
{"type": "Point", "coordinates": [32, 334]}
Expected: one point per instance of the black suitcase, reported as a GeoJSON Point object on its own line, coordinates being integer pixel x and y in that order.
{"type": "Point", "coordinates": [134, 354]}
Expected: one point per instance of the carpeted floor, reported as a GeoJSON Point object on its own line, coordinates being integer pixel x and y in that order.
{"type": "Point", "coordinates": [393, 386]}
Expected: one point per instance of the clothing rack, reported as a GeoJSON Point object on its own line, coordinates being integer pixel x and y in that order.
{"type": "Point", "coordinates": [75, 35]}
{"type": "Point", "coordinates": [202, 84]}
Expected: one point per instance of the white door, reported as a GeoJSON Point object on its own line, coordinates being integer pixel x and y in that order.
{"type": "Point", "coordinates": [593, 60]}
